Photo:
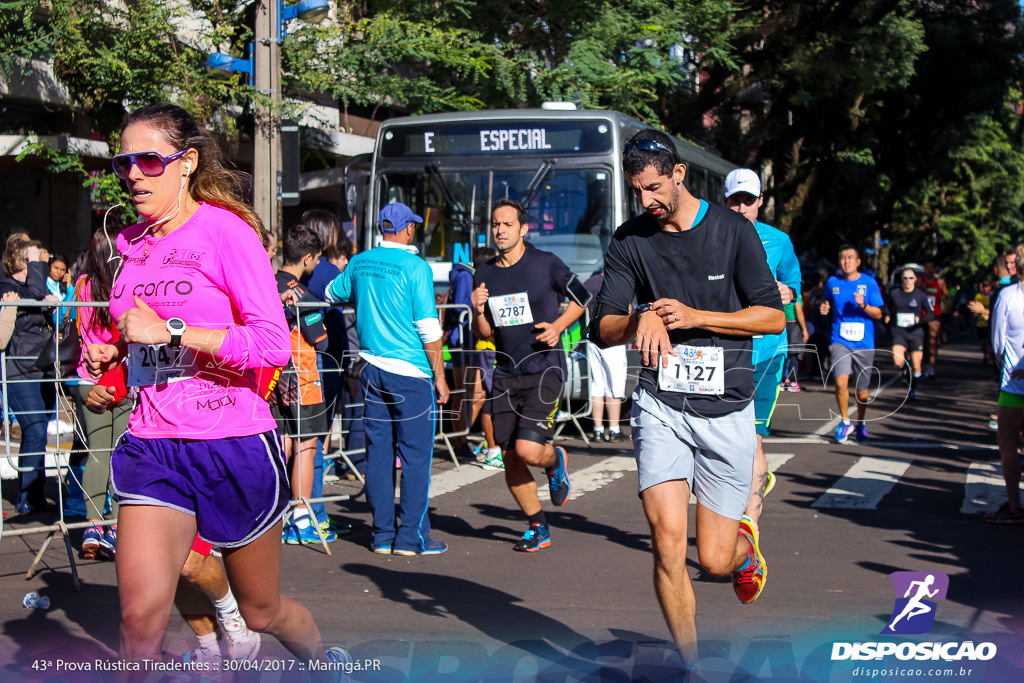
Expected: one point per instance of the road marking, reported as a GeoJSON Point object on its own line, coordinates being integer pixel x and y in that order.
{"type": "Point", "coordinates": [600, 474]}
{"type": "Point", "coordinates": [452, 480]}
{"type": "Point", "coordinates": [777, 460]}
{"type": "Point", "coordinates": [864, 484]}
{"type": "Point", "coordinates": [812, 440]}
{"type": "Point", "coordinates": [930, 444]}
{"type": "Point", "coordinates": [590, 478]}
{"type": "Point", "coordinates": [984, 490]}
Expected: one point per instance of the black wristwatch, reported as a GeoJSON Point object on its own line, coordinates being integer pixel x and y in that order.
{"type": "Point", "coordinates": [176, 326]}
{"type": "Point", "coordinates": [642, 308]}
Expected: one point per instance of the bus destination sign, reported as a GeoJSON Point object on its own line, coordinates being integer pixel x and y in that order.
{"type": "Point", "coordinates": [476, 138]}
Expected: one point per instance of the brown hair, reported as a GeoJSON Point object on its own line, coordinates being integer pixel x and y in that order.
{"type": "Point", "coordinates": [14, 253]}
{"type": "Point", "coordinates": [325, 224]}
{"type": "Point", "coordinates": [100, 263]}
{"type": "Point", "coordinates": [211, 182]}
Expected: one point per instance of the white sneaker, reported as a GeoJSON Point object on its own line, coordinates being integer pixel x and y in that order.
{"type": "Point", "coordinates": [243, 643]}
{"type": "Point", "coordinates": [55, 427]}
{"type": "Point", "coordinates": [492, 459]}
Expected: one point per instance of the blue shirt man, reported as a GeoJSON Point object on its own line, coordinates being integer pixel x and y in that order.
{"type": "Point", "coordinates": [743, 195]}
{"type": "Point", "coordinates": [855, 301]}
{"type": "Point", "coordinates": [401, 341]}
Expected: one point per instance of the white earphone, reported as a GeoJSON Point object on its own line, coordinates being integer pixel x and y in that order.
{"type": "Point", "coordinates": [188, 167]}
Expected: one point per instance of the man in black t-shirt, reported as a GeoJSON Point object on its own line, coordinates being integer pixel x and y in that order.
{"type": "Point", "coordinates": [908, 311]}
{"type": "Point", "coordinates": [516, 297]}
{"type": "Point", "coordinates": [701, 280]}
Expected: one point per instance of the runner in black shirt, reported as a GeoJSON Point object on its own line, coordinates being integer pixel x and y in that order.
{"type": "Point", "coordinates": [908, 313]}
{"type": "Point", "coordinates": [516, 297]}
{"type": "Point", "coordinates": [703, 287]}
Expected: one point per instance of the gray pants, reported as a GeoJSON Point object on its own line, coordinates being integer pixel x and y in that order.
{"type": "Point", "coordinates": [101, 432]}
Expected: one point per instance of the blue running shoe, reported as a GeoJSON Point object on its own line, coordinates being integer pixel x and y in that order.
{"type": "Point", "coordinates": [558, 478]}
{"type": "Point", "coordinates": [843, 431]}
{"type": "Point", "coordinates": [430, 547]}
{"type": "Point", "coordinates": [91, 542]}
{"type": "Point", "coordinates": [537, 537]}
{"type": "Point", "coordinates": [293, 535]}
{"type": "Point", "coordinates": [861, 430]}
{"type": "Point", "coordinates": [108, 545]}
{"type": "Point", "coordinates": [382, 549]}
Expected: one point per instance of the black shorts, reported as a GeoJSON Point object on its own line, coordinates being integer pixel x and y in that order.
{"type": "Point", "coordinates": [290, 418]}
{"type": "Point", "coordinates": [912, 340]}
{"type": "Point", "coordinates": [525, 407]}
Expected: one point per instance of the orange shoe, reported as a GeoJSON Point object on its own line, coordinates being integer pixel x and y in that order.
{"type": "Point", "coordinates": [748, 580]}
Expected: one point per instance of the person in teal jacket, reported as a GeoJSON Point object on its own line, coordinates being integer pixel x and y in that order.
{"type": "Point", "coordinates": [401, 341]}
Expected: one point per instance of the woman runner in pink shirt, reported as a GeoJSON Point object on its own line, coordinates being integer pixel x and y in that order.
{"type": "Point", "coordinates": [198, 312]}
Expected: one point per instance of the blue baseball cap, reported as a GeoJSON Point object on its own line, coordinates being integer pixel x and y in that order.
{"type": "Point", "coordinates": [399, 215]}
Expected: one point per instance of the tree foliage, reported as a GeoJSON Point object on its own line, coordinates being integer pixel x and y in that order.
{"type": "Point", "coordinates": [896, 118]}
{"type": "Point", "coordinates": [887, 116]}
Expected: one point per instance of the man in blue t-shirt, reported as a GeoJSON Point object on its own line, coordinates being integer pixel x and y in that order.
{"type": "Point", "coordinates": [855, 301]}
{"type": "Point", "coordinates": [743, 195]}
{"type": "Point", "coordinates": [401, 341]}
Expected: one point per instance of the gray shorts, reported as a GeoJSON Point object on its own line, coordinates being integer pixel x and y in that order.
{"type": "Point", "coordinates": [714, 455]}
{"type": "Point", "coordinates": [857, 362]}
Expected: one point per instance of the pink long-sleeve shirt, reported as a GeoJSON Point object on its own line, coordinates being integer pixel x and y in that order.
{"type": "Point", "coordinates": [213, 273]}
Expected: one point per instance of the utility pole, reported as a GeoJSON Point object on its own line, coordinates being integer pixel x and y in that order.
{"type": "Point", "coordinates": [267, 142]}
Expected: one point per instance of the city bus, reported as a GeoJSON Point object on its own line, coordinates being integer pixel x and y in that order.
{"type": "Point", "coordinates": [563, 165]}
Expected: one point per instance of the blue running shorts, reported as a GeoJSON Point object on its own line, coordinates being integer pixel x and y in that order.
{"type": "Point", "coordinates": [236, 488]}
{"type": "Point", "coordinates": [767, 376]}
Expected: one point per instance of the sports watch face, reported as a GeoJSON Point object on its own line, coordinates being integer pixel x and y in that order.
{"type": "Point", "coordinates": [176, 325]}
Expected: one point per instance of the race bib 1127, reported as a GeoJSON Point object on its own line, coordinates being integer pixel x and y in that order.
{"type": "Point", "coordinates": [694, 370]}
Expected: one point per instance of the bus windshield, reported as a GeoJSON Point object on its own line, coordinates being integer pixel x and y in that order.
{"type": "Point", "coordinates": [569, 210]}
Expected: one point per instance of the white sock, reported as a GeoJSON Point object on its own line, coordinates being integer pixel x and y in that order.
{"type": "Point", "coordinates": [613, 430]}
{"type": "Point", "coordinates": [300, 517]}
{"type": "Point", "coordinates": [208, 642]}
{"type": "Point", "coordinates": [226, 606]}
{"type": "Point", "coordinates": [599, 430]}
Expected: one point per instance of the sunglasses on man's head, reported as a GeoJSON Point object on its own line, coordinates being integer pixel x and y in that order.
{"type": "Point", "coordinates": [150, 163]}
{"type": "Point", "coordinates": [648, 146]}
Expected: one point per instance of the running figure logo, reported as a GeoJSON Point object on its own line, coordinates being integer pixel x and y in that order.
{"type": "Point", "coordinates": [914, 611]}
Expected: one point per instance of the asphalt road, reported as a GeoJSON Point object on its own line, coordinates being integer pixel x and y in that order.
{"type": "Point", "coordinates": [841, 519]}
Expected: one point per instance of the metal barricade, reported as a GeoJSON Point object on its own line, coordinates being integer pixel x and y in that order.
{"type": "Point", "coordinates": [62, 457]}
{"type": "Point", "coordinates": [577, 364]}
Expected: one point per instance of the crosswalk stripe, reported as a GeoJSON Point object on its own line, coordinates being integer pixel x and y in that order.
{"type": "Point", "coordinates": [590, 478]}
{"type": "Point", "coordinates": [600, 474]}
{"type": "Point", "coordinates": [984, 489]}
{"type": "Point", "coordinates": [450, 481]}
{"type": "Point", "coordinates": [865, 484]}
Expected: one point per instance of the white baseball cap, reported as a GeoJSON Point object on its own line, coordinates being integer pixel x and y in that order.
{"type": "Point", "coordinates": [742, 180]}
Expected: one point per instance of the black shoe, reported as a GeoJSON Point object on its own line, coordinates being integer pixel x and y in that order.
{"type": "Point", "coordinates": [614, 437]}
{"type": "Point", "coordinates": [597, 436]}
